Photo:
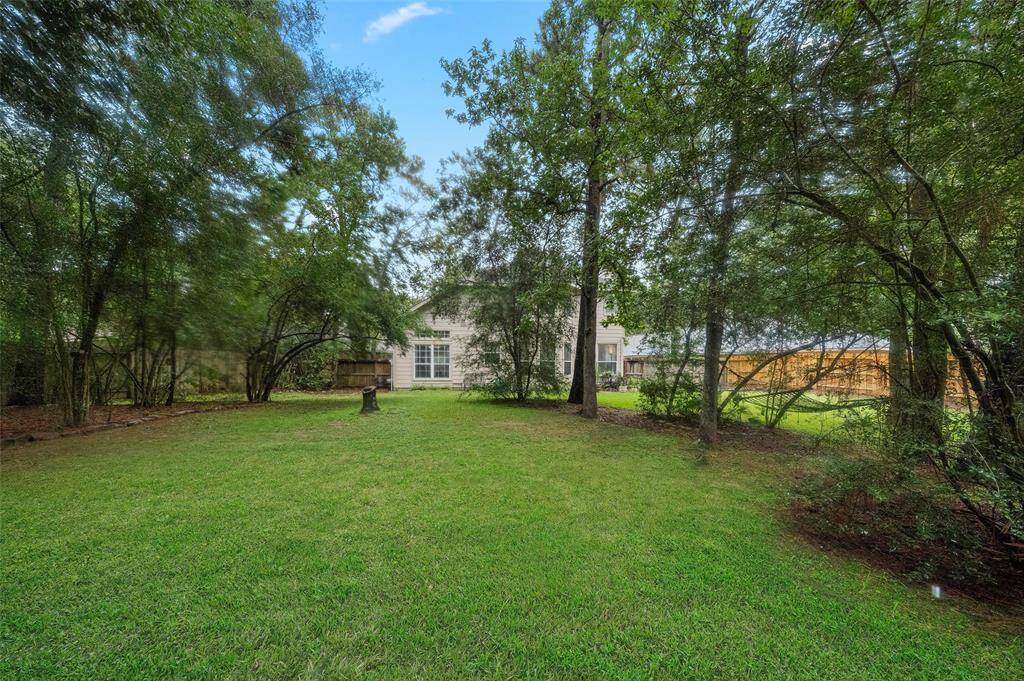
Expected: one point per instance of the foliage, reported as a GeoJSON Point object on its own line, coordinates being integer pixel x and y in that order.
{"type": "Point", "coordinates": [153, 154]}
{"type": "Point", "coordinates": [884, 507]}
{"type": "Point", "coordinates": [670, 394]}
{"type": "Point", "coordinates": [610, 381]}
{"type": "Point", "coordinates": [505, 273]}
{"type": "Point", "coordinates": [314, 371]}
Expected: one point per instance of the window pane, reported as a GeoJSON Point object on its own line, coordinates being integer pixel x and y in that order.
{"type": "Point", "coordinates": [441, 361]}
{"type": "Point", "coordinates": [422, 360]}
{"type": "Point", "coordinates": [606, 352]}
{"type": "Point", "coordinates": [490, 355]}
{"type": "Point", "coordinates": [567, 359]}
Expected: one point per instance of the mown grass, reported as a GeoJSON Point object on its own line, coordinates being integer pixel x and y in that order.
{"type": "Point", "coordinates": [440, 538]}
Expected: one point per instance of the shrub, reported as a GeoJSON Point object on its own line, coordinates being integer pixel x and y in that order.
{"type": "Point", "coordinates": [670, 395]}
{"type": "Point", "coordinates": [902, 515]}
{"type": "Point", "coordinates": [502, 379]}
{"type": "Point", "coordinates": [609, 381]}
{"type": "Point", "coordinates": [314, 370]}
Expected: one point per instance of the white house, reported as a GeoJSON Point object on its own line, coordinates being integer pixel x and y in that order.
{"type": "Point", "coordinates": [435, 360]}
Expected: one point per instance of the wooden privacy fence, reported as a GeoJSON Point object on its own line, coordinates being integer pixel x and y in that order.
{"type": "Point", "coordinates": [358, 370]}
{"type": "Point", "coordinates": [858, 372]}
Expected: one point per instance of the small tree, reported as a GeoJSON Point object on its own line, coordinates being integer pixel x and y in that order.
{"type": "Point", "coordinates": [505, 271]}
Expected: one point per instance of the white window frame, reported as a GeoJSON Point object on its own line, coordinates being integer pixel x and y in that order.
{"type": "Point", "coordinates": [614, 361]}
{"type": "Point", "coordinates": [431, 363]}
{"type": "Point", "coordinates": [567, 358]}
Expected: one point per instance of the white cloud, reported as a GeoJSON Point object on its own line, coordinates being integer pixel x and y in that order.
{"type": "Point", "coordinates": [387, 23]}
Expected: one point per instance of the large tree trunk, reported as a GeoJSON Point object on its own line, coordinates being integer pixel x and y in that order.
{"type": "Point", "coordinates": [724, 229]}
{"type": "Point", "coordinates": [899, 374]}
{"type": "Point", "coordinates": [576, 388]}
{"type": "Point", "coordinates": [707, 430]}
{"type": "Point", "coordinates": [929, 368]}
{"type": "Point", "coordinates": [589, 292]}
{"type": "Point", "coordinates": [590, 274]}
{"type": "Point", "coordinates": [928, 376]}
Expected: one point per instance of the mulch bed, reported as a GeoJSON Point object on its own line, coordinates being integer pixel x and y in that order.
{"type": "Point", "coordinates": [30, 424]}
{"type": "Point", "coordinates": [729, 434]}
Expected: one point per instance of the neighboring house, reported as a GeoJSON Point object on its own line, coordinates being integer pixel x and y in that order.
{"type": "Point", "coordinates": [436, 360]}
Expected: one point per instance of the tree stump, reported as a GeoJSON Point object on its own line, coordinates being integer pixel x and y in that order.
{"type": "Point", "coordinates": [369, 400]}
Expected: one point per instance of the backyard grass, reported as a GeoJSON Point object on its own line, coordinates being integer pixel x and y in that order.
{"type": "Point", "coordinates": [439, 538]}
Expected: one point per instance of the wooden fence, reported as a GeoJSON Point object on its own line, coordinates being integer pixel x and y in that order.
{"type": "Point", "coordinates": [863, 371]}
{"type": "Point", "coordinates": [360, 370]}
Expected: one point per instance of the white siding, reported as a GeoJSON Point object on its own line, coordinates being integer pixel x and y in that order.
{"type": "Point", "coordinates": [402, 362]}
{"type": "Point", "coordinates": [402, 369]}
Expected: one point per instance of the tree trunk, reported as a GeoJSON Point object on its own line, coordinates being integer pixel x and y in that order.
{"type": "Point", "coordinates": [899, 375]}
{"type": "Point", "coordinates": [173, 382]}
{"type": "Point", "coordinates": [707, 430]}
{"type": "Point", "coordinates": [928, 376]}
{"type": "Point", "coordinates": [591, 273]}
{"type": "Point", "coordinates": [77, 409]}
{"type": "Point", "coordinates": [929, 368]}
{"type": "Point", "coordinates": [588, 297]}
{"type": "Point", "coordinates": [576, 388]}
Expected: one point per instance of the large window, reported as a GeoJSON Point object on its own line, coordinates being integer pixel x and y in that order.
{"type": "Point", "coordinates": [606, 359]}
{"type": "Point", "coordinates": [567, 359]}
{"type": "Point", "coordinates": [432, 361]}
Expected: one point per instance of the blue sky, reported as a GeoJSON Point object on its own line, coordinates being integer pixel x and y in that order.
{"type": "Point", "coordinates": [402, 43]}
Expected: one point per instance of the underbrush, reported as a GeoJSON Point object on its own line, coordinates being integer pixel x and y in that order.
{"type": "Point", "coordinates": [904, 518]}
{"type": "Point", "coordinates": [891, 506]}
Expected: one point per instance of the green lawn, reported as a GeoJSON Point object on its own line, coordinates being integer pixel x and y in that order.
{"type": "Point", "coordinates": [440, 538]}
{"type": "Point", "coordinates": [807, 423]}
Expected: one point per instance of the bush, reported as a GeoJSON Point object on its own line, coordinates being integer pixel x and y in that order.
{"type": "Point", "coordinates": [313, 371]}
{"type": "Point", "coordinates": [500, 379]}
{"type": "Point", "coordinates": [901, 515]}
{"type": "Point", "coordinates": [609, 381]}
{"type": "Point", "coordinates": [664, 395]}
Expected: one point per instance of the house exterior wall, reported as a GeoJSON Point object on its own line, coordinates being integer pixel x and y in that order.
{"type": "Point", "coordinates": [403, 361]}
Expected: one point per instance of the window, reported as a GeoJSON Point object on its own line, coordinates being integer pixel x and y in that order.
{"type": "Point", "coordinates": [567, 359]}
{"type": "Point", "coordinates": [441, 334]}
{"type": "Point", "coordinates": [490, 354]}
{"type": "Point", "coordinates": [432, 361]}
{"type": "Point", "coordinates": [606, 359]}
{"type": "Point", "coordinates": [549, 356]}
{"type": "Point", "coordinates": [422, 361]}
{"type": "Point", "coordinates": [441, 361]}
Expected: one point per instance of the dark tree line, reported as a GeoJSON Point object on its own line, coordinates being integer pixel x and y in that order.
{"type": "Point", "coordinates": [170, 172]}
